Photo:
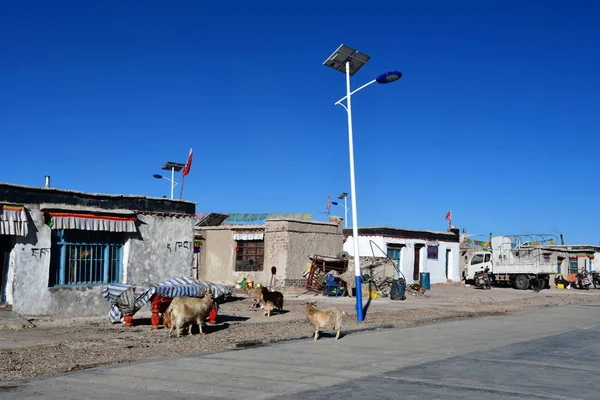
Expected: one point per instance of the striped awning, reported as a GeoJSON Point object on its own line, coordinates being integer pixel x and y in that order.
{"type": "Point", "coordinates": [91, 220]}
{"type": "Point", "coordinates": [253, 235]}
{"type": "Point", "coordinates": [13, 220]}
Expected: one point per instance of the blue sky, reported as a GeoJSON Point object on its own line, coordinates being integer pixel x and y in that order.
{"type": "Point", "coordinates": [496, 117]}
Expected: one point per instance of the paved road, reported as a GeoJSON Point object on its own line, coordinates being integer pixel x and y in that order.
{"type": "Point", "coordinates": [551, 354]}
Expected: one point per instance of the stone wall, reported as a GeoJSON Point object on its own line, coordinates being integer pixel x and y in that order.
{"type": "Point", "coordinates": [288, 245]}
{"type": "Point", "coordinates": [291, 243]}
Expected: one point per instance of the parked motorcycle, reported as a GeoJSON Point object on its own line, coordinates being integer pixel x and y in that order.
{"type": "Point", "coordinates": [583, 280]}
{"type": "Point", "coordinates": [595, 278]}
{"type": "Point", "coordinates": [482, 279]}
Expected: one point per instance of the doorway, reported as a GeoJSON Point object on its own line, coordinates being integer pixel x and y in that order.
{"type": "Point", "coordinates": [394, 252]}
{"type": "Point", "coordinates": [5, 247]}
{"type": "Point", "coordinates": [417, 265]}
{"type": "Point", "coordinates": [447, 261]}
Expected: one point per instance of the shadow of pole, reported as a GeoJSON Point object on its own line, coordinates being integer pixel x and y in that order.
{"type": "Point", "coordinates": [368, 303]}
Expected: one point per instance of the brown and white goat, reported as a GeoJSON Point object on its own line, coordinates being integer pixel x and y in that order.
{"type": "Point", "coordinates": [187, 311]}
{"type": "Point", "coordinates": [325, 319]}
{"type": "Point", "coordinates": [274, 297]}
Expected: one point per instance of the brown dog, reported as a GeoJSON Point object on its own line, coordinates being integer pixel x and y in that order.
{"type": "Point", "coordinates": [325, 319]}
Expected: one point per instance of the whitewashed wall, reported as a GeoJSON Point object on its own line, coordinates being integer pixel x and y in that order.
{"type": "Point", "coordinates": [436, 268]}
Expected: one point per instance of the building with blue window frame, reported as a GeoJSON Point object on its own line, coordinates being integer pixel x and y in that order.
{"type": "Point", "coordinates": [59, 247]}
{"type": "Point", "coordinates": [414, 253]}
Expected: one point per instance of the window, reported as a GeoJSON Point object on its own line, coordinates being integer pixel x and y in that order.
{"type": "Point", "coordinates": [477, 259]}
{"type": "Point", "coordinates": [394, 251]}
{"type": "Point", "coordinates": [432, 252]}
{"type": "Point", "coordinates": [85, 257]}
{"type": "Point", "coordinates": [488, 257]}
{"type": "Point", "coordinates": [250, 255]}
{"type": "Point", "coordinates": [573, 265]}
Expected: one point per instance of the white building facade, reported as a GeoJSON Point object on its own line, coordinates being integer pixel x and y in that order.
{"type": "Point", "coordinates": [416, 252]}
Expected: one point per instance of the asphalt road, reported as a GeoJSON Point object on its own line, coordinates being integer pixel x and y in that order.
{"type": "Point", "coordinates": [552, 353]}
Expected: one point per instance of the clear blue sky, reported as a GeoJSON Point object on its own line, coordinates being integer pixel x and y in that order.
{"type": "Point", "coordinates": [496, 117]}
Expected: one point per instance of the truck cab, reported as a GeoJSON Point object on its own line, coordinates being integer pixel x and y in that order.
{"type": "Point", "coordinates": [475, 262]}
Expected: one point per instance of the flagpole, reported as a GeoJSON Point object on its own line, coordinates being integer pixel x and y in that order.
{"type": "Point", "coordinates": [186, 170]}
{"type": "Point", "coordinates": [181, 189]}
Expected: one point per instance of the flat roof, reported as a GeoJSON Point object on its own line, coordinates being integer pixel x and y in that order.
{"type": "Point", "coordinates": [405, 233]}
{"type": "Point", "coordinates": [22, 194]}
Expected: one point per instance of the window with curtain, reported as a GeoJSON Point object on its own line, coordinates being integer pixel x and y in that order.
{"type": "Point", "coordinates": [432, 252]}
{"type": "Point", "coordinates": [79, 257]}
{"type": "Point", "coordinates": [250, 255]}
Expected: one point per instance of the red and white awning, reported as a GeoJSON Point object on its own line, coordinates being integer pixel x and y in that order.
{"type": "Point", "coordinates": [91, 219]}
{"type": "Point", "coordinates": [252, 235]}
{"type": "Point", "coordinates": [13, 220]}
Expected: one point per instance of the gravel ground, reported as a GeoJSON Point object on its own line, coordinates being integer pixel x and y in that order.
{"type": "Point", "coordinates": [45, 345]}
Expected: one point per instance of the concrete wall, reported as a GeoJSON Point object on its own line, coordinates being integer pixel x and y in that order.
{"type": "Point", "coordinates": [145, 258]}
{"type": "Point", "coordinates": [217, 256]}
{"type": "Point", "coordinates": [163, 250]}
{"type": "Point", "coordinates": [436, 268]}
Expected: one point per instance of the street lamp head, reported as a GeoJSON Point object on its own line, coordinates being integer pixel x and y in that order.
{"type": "Point", "coordinates": [335, 203]}
{"type": "Point", "coordinates": [157, 176]}
{"type": "Point", "coordinates": [389, 77]}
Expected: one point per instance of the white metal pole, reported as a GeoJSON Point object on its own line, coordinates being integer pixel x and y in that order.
{"type": "Point", "coordinates": [357, 274]}
{"type": "Point", "coordinates": [345, 212]}
{"type": "Point", "coordinates": [172, 181]}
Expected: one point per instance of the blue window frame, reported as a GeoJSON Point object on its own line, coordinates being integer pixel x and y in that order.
{"type": "Point", "coordinates": [86, 257]}
{"type": "Point", "coordinates": [394, 253]}
{"type": "Point", "coordinates": [573, 265]}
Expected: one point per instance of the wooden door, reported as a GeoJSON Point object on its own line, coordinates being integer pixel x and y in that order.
{"type": "Point", "coordinates": [4, 262]}
{"type": "Point", "coordinates": [416, 268]}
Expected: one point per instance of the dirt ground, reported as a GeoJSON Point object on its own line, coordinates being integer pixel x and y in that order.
{"type": "Point", "coordinates": [47, 345]}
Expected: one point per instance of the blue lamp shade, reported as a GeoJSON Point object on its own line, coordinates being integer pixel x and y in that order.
{"type": "Point", "coordinates": [157, 176]}
{"type": "Point", "coordinates": [335, 203]}
{"type": "Point", "coordinates": [389, 77]}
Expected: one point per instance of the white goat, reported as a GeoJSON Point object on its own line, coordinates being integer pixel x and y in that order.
{"type": "Point", "coordinates": [189, 310]}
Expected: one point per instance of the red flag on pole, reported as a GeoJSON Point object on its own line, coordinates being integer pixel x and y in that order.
{"type": "Point", "coordinates": [188, 165]}
{"type": "Point", "coordinates": [449, 216]}
{"type": "Point", "coordinates": [328, 203]}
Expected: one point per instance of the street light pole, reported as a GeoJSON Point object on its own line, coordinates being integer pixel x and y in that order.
{"type": "Point", "coordinates": [172, 181]}
{"type": "Point", "coordinates": [352, 61]}
{"type": "Point", "coordinates": [345, 197]}
{"type": "Point", "coordinates": [357, 272]}
{"type": "Point", "coordinates": [345, 213]}
{"type": "Point", "coordinates": [173, 167]}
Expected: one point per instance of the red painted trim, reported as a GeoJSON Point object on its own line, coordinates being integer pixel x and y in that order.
{"type": "Point", "coordinates": [91, 216]}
